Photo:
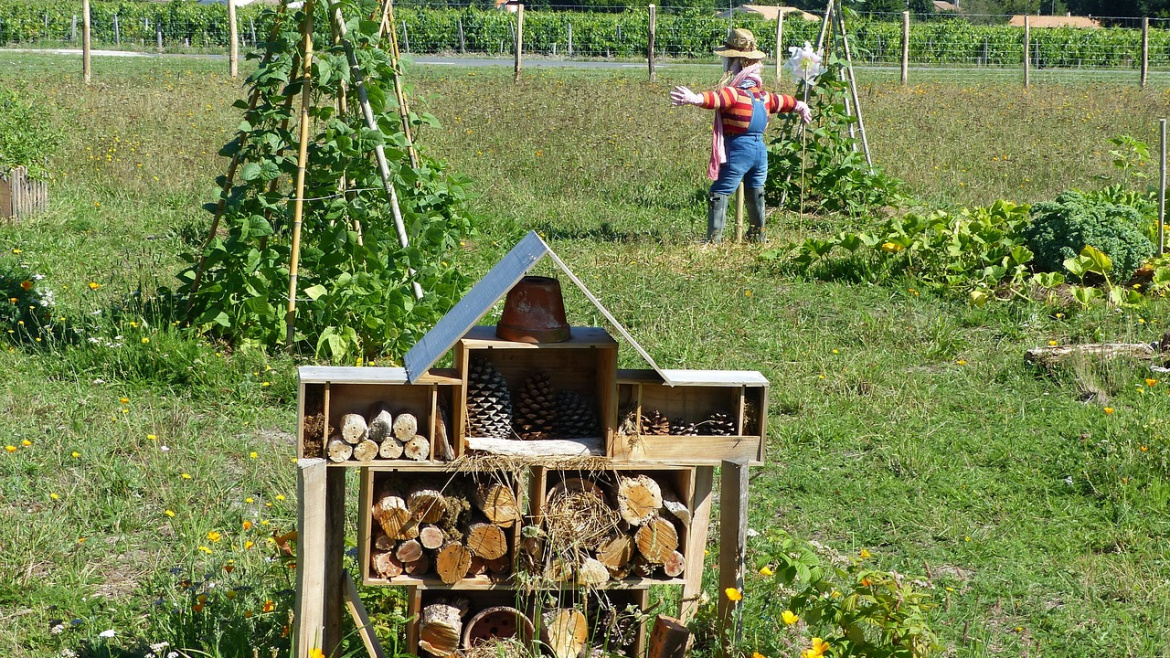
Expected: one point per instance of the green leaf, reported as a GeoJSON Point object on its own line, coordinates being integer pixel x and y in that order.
{"type": "Point", "coordinates": [250, 171]}
{"type": "Point", "coordinates": [315, 292]}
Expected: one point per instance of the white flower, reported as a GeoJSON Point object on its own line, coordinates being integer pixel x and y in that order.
{"type": "Point", "coordinates": [38, 277]}
{"type": "Point", "coordinates": [107, 633]}
{"type": "Point", "coordinates": [805, 63]}
{"type": "Point", "coordinates": [164, 448]}
{"type": "Point", "coordinates": [159, 646]}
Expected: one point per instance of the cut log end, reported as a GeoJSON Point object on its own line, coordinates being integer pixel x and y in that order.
{"type": "Point", "coordinates": [440, 628]}
{"type": "Point", "coordinates": [405, 426]}
{"type": "Point", "coordinates": [339, 451]}
{"type": "Point", "coordinates": [452, 562]}
{"type": "Point", "coordinates": [391, 448]}
{"type": "Point", "coordinates": [365, 451]}
{"type": "Point", "coordinates": [417, 448]}
{"type": "Point", "coordinates": [354, 429]}
{"type": "Point", "coordinates": [487, 541]}
{"type": "Point", "coordinates": [639, 499]}
{"type": "Point", "coordinates": [565, 631]}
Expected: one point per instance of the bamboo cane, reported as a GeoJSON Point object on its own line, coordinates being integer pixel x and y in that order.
{"type": "Point", "coordinates": [387, 29]}
{"type": "Point", "coordinates": [342, 108]}
{"type": "Point", "coordinates": [229, 178]}
{"type": "Point", "coordinates": [371, 123]}
{"type": "Point", "coordinates": [302, 160]}
{"type": "Point", "coordinates": [840, 16]}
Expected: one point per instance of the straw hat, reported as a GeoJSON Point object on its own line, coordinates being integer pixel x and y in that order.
{"type": "Point", "coordinates": [740, 43]}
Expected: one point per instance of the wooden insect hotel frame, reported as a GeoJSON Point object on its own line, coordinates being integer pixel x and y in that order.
{"type": "Point", "coordinates": [546, 539]}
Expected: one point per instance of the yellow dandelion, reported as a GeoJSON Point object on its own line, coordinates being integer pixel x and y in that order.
{"type": "Point", "coordinates": [249, 500]}
{"type": "Point", "coordinates": [169, 513]}
{"type": "Point", "coordinates": [205, 549]}
{"type": "Point", "coordinates": [1151, 382]}
{"type": "Point", "coordinates": [145, 340]}
{"type": "Point", "coordinates": [247, 525]}
{"type": "Point", "coordinates": [75, 454]}
{"type": "Point", "coordinates": [1053, 343]}
{"type": "Point", "coordinates": [1108, 410]}
{"type": "Point", "coordinates": [279, 497]}
{"type": "Point", "coordinates": [151, 437]}
{"type": "Point", "coordinates": [214, 536]}
{"type": "Point", "coordinates": [26, 443]}
{"type": "Point", "coordinates": [864, 554]}
{"type": "Point", "coordinates": [248, 544]}
{"type": "Point", "coordinates": [185, 476]}
{"type": "Point", "coordinates": [53, 496]}
{"type": "Point", "coordinates": [962, 362]}
{"type": "Point", "coordinates": [253, 454]}
{"type": "Point", "coordinates": [789, 617]}
{"type": "Point", "coordinates": [94, 286]}
{"type": "Point", "coordinates": [10, 448]}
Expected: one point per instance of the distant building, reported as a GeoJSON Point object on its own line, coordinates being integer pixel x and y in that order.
{"type": "Point", "coordinates": [767, 11]}
{"type": "Point", "coordinates": [508, 5]}
{"type": "Point", "coordinates": [943, 5]}
{"type": "Point", "coordinates": [1055, 21]}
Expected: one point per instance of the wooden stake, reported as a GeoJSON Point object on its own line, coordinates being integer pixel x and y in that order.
{"type": "Point", "coordinates": [905, 47]}
{"type": "Point", "coordinates": [733, 508]}
{"type": "Point", "coordinates": [779, 42]}
{"type": "Point", "coordinates": [739, 213]}
{"type": "Point", "coordinates": [650, 42]}
{"type": "Point", "coordinates": [290, 318]}
{"type": "Point", "coordinates": [85, 44]}
{"type": "Point", "coordinates": [387, 28]}
{"type": "Point", "coordinates": [358, 78]}
{"type": "Point", "coordinates": [361, 620]}
{"type": "Point", "coordinates": [309, 622]}
{"type": "Point", "coordinates": [234, 38]}
{"type": "Point", "coordinates": [519, 40]}
{"type": "Point", "coordinates": [1027, 51]}
{"type": "Point", "coordinates": [1145, 51]}
{"type": "Point", "coordinates": [840, 16]}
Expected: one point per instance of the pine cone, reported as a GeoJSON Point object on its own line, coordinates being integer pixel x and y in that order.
{"type": "Point", "coordinates": [576, 417]}
{"type": "Point", "coordinates": [682, 428]}
{"type": "Point", "coordinates": [718, 424]}
{"type": "Point", "coordinates": [655, 424]}
{"type": "Point", "coordinates": [489, 404]}
{"type": "Point", "coordinates": [536, 409]}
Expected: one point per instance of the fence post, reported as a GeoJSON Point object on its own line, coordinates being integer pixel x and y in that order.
{"type": "Point", "coordinates": [519, 39]}
{"type": "Point", "coordinates": [85, 36]}
{"type": "Point", "coordinates": [1027, 51]}
{"type": "Point", "coordinates": [1162, 193]}
{"type": "Point", "coordinates": [117, 32]}
{"type": "Point", "coordinates": [779, 40]}
{"type": "Point", "coordinates": [73, 30]}
{"type": "Point", "coordinates": [462, 39]}
{"type": "Point", "coordinates": [650, 43]}
{"type": "Point", "coordinates": [569, 52]}
{"type": "Point", "coordinates": [158, 34]}
{"type": "Point", "coordinates": [905, 47]}
{"type": "Point", "coordinates": [234, 42]}
{"type": "Point", "coordinates": [1145, 51]}
{"type": "Point", "coordinates": [405, 38]}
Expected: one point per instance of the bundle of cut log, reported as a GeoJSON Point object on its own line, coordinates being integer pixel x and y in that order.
{"type": "Point", "coordinates": [442, 631]}
{"type": "Point", "coordinates": [427, 528]}
{"type": "Point", "coordinates": [640, 539]}
{"type": "Point", "coordinates": [382, 435]}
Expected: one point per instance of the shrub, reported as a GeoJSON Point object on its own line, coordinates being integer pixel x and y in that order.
{"type": "Point", "coordinates": [1061, 229]}
{"type": "Point", "coordinates": [27, 135]}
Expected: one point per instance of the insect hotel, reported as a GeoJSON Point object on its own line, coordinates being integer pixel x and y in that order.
{"type": "Point", "coordinates": [531, 494]}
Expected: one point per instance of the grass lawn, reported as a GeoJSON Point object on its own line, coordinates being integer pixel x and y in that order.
{"type": "Point", "coordinates": [901, 422]}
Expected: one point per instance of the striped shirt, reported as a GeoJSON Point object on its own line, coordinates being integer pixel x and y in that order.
{"type": "Point", "coordinates": [736, 106]}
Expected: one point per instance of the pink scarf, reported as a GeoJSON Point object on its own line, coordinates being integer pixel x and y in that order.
{"type": "Point", "coordinates": [718, 153]}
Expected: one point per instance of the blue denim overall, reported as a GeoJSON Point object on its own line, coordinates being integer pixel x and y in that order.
{"type": "Point", "coordinates": [747, 156]}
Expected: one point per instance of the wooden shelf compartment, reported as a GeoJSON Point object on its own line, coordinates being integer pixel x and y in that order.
{"type": "Point", "coordinates": [586, 364]}
{"type": "Point", "coordinates": [453, 484]}
{"type": "Point", "coordinates": [611, 624]}
{"type": "Point", "coordinates": [744, 399]}
{"type": "Point", "coordinates": [680, 481]}
{"type": "Point", "coordinates": [336, 392]}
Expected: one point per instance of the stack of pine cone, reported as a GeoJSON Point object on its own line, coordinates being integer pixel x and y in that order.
{"type": "Point", "coordinates": [539, 412]}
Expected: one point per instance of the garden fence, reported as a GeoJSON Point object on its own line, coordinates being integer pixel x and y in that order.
{"type": "Point", "coordinates": [956, 46]}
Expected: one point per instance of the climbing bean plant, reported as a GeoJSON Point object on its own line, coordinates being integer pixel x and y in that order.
{"type": "Point", "coordinates": [354, 296]}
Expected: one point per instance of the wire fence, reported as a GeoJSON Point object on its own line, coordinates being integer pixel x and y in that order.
{"type": "Point", "coordinates": [611, 32]}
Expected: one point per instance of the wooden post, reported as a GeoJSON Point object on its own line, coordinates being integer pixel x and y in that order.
{"type": "Point", "coordinates": [1162, 193]}
{"type": "Point", "coordinates": [840, 16]}
{"type": "Point", "coordinates": [309, 622]}
{"type": "Point", "coordinates": [158, 34]}
{"type": "Point", "coordinates": [697, 542]}
{"type": "Point", "coordinates": [1145, 51]}
{"type": "Point", "coordinates": [739, 213]}
{"type": "Point", "coordinates": [569, 51]}
{"type": "Point", "coordinates": [779, 41]}
{"type": "Point", "coordinates": [1027, 51]}
{"type": "Point", "coordinates": [334, 558]}
{"type": "Point", "coordinates": [905, 47]}
{"type": "Point", "coordinates": [733, 508]}
{"type": "Point", "coordinates": [290, 318]}
{"type": "Point", "coordinates": [519, 40]}
{"type": "Point", "coordinates": [85, 36]}
{"type": "Point", "coordinates": [650, 42]}
{"type": "Point", "coordinates": [462, 38]}
{"type": "Point", "coordinates": [73, 30]}
{"type": "Point", "coordinates": [405, 38]}
{"type": "Point", "coordinates": [234, 46]}
{"type": "Point", "coordinates": [117, 32]}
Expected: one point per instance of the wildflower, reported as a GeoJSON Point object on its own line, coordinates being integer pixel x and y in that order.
{"type": "Point", "coordinates": [17, 252]}
{"type": "Point", "coordinates": [81, 540]}
{"type": "Point", "coordinates": [315, 652]}
{"type": "Point", "coordinates": [75, 454]}
{"type": "Point", "coordinates": [864, 554]}
{"type": "Point", "coordinates": [170, 513]}
{"type": "Point", "coordinates": [248, 545]}
{"type": "Point", "coordinates": [253, 454]}
{"type": "Point", "coordinates": [53, 496]}
{"type": "Point", "coordinates": [269, 606]}
{"type": "Point", "coordinates": [1108, 410]}
{"type": "Point", "coordinates": [1052, 343]}
{"type": "Point", "coordinates": [248, 614]}
{"type": "Point", "coordinates": [26, 284]}
{"type": "Point", "coordinates": [1151, 382]}
{"type": "Point", "coordinates": [202, 598]}
{"type": "Point", "coordinates": [214, 536]}
{"type": "Point", "coordinates": [198, 607]}
{"type": "Point", "coordinates": [1144, 449]}
{"type": "Point", "coordinates": [836, 352]}
{"type": "Point", "coordinates": [789, 617]}
{"type": "Point", "coordinates": [891, 247]}
{"type": "Point", "coordinates": [107, 633]}
{"type": "Point", "coordinates": [247, 525]}
{"type": "Point", "coordinates": [733, 594]}
{"type": "Point", "coordinates": [279, 497]}
{"type": "Point", "coordinates": [229, 567]}
{"type": "Point", "coordinates": [205, 549]}
{"type": "Point", "coordinates": [818, 649]}
{"type": "Point", "coordinates": [249, 500]}
{"type": "Point", "coordinates": [962, 362]}
{"type": "Point", "coordinates": [10, 448]}
{"type": "Point", "coordinates": [265, 384]}
{"type": "Point", "coordinates": [145, 340]}
{"type": "Point", "coordinates": [94, 286]}
{"type": "Point", "coordinates": [767, 571]}
{"type": "Point", "coordinates": [124, 400]}
{"type": "Point", "coordinates": [186, 476]}
{"type": "Point", "coordinates": [151, 437]}
{"type": "Point", "coordinates": [230, 594]}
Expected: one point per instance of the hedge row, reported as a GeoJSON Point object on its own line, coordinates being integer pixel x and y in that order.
{"type": "Point", "coordinates": [689, 34]}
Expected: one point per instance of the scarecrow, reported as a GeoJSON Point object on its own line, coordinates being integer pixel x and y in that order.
{"type": "Point", "coordinates": [738, 152]}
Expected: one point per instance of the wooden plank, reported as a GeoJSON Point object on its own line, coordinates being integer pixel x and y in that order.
{"type": "Point", "coordinates": [607, 396]}
{"type": "Point", "coordinates": [549, 448]}
{"type": "Point", "coordinates": [371, 375]}
{"type": "Point", "coordinates": [762, 455]}
{"type": "Point", "coordinates": [413, 610]}
{"type": "Point", "coordinates": [334, 557]}
{"type": "Point", "coordinates": [714, 378]}
{"type": "Point", "coordinates": [691, 450]}
{"type": "Point", "coordinates": [484, 337]}
{"type": "Point", "coordinates": [697, 541]}
{"type": "Point", "coordinates": [642, 600]}
{"type": "Point", "coordinates": [361, 619]}
{"type": "Point", "coordinates": [365, 522]}
{"type": "Point", "coordinates": [474, 305]}
{"type": "Point", "coordinates": [309, 621]}
{"type": "Point", "coordinates": [733, 517]}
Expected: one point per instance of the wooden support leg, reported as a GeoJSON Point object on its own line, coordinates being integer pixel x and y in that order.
{"type": "Point", "coordinates": [413, 610]}
{"type": "Point", "coordinates": [733, 501]}
{"type": "Point", "coordinates": [361, 619]}
{"type": "Point", "coordinates": [697, 541]}
{"type": "Point", "coordinates": [334, 593]}
{"type": "Point", "coordinates": [309, 621]}
{"type": "Point", "coordinates": [642, 600]}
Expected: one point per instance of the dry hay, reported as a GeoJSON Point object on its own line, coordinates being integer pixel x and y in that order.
{"type": "Point", "coordinates": [577, 518]}
{"type": "Point", "coordinates": [511, 647]}
{"type": "Point", "coordinates": [313, 429]}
